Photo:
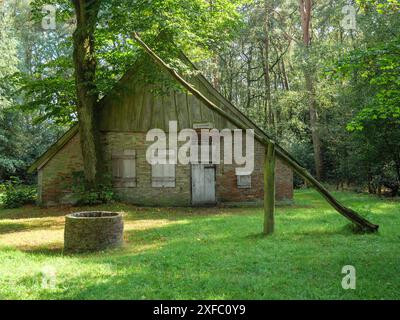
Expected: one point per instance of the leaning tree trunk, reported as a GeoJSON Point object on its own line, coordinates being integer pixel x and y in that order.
{"type": "Point", "coordinates": [85, 72]}
{"type": "Point", "coordinates": [280, 153]}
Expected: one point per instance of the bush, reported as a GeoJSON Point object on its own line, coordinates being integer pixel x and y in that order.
{"type": "Point", "coordinates": [16, 194]}
{"type": "Point", "coordinates": [86, 196]}
{"type": "Point", "coordinates": [2, 190]}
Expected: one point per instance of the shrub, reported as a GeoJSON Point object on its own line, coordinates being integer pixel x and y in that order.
{"type": "Point", "coordinates": [16, 194]}
{"type": "Point", "coordinates": [87, 196]}
{"type": "Point", "coordinates": [2, 190]}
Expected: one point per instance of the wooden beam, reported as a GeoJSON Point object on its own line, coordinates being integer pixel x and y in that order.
{"type": "Point", "coordinates": [269, 189]}
{"type": "Point", "coordinates": [281, 153]}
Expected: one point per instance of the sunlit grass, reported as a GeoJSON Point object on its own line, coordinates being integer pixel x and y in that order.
{"type": "Point", "coordinates": [213, 253]}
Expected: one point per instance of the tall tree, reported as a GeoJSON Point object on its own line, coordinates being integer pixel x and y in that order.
{"type": "Point", "coordinates": [269, 116]}
{"type": "Point", "coordinates": [84, 58]}
{"type": "Point", "coordinates": [309, 74]}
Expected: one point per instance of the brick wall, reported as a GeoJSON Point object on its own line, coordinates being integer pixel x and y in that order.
{"type": "Point", "coordinates": [56, 176]}
{"type": "Point", "coordinates": [228, 191]}
{"type": "Point", "coordinates": [144, 193]}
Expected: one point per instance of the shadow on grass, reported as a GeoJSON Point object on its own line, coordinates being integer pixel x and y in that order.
{"type": "Point", "coordinates": [31, 225]}
{"type": "Point", "coordinates": [346, 230]}
{"type": "Point", "coordinates": [49, 251]}
{"type": "Point", "coordinates": [257, 236]}
{"type": "Point", "coordinates": [13, 227]}
{"type": "Point", "coordinates": [132, 212]}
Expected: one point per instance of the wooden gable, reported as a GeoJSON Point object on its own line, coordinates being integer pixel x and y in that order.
{"type": "Point", "coordinates": [135, 107]}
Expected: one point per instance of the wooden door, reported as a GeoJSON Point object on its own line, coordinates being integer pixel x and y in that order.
{"type": "Point", "coordinates": [203, 184]}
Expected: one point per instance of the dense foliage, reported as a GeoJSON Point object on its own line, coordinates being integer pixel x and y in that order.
{"type": "Point", "coordinates": [16, 194]}
{"type": "Point", "coordinates": [22, 140]}
{"type": "Point", "coordinates": [356, 76]}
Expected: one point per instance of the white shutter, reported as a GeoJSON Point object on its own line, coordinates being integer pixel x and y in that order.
{"type": "Point", "coordinates": [117, 170]}
{"type": "Point", "coordinates": [124, 169]}
{"type": "Point", "coordinates": [157, 175]}
{"type": "Point", "coordinates": [163, 175]}
{"type": "Point", "coordinates": [169, 175]}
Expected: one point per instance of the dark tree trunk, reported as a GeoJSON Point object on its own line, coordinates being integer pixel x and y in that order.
{"type": "Point", "coordinates": [216, 77]}
{"type": "Point", "coordinates": [269, 189]}
{"type": "Point", "coordinates": [314, 124]}
{"type": "Point", "coordinates": [248, 79]}
{"type": "Point", "coordinates": [285, 76]}
{"type": "Point", "coordinates": [268, 112]}
{"type": "Point", "coordinates": [85, 72]}
{"type": "Point", "coordinates": [305, 12]}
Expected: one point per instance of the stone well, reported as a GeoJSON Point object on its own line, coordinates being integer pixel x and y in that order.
{"type": "Point", "coordinates": [93, 231]}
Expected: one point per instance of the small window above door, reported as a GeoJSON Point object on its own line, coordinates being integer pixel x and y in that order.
{"type": "Point", "coordinates": [244, 182]}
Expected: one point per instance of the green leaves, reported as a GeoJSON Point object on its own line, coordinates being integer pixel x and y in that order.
{"type": "Point", "coordinates": [379, 67]}
{"type": "Point", "coordinates": [17, 194]}
{"type": "Point", "coordinates": [195, 26]}
{"type": "Point", "coordinates": [381, 6]}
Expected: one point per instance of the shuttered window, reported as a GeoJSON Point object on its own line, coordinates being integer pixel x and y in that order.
{"type": "Point", "coordinates": [244, 182]}
{"type": "Point", "coordinates": [124, 169]}
{"type": "Point", "coordinates": [163, 175]}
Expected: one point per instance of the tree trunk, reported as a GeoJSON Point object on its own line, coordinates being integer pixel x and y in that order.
{"type": "Point", "coordinates": [248, 79]}
{"type": "Point", "coordinates": [314, 124]}
{"type": "Point", "coordinates": [85, 72]}
{"type": "Point", "coordinates": [269, 189]}
{"type": "Point", "coordinates": [216, 77]}
{"type": "Point", "coordinates": [305, 12]}
{"type": "Point", "coordinates": [268, 113]}
{"type": "Point", "coordinates": [285, 76]}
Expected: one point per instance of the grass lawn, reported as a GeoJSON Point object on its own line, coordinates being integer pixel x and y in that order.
{"type": "Point", "coordinates": [215, 253]}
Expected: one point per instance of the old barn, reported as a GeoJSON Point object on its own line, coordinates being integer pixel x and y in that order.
{"type": "Point", "coordinates": [125, 116]}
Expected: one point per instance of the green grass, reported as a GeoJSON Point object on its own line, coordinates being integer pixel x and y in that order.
{"type": "Point", "coordinates": [215, 253]}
